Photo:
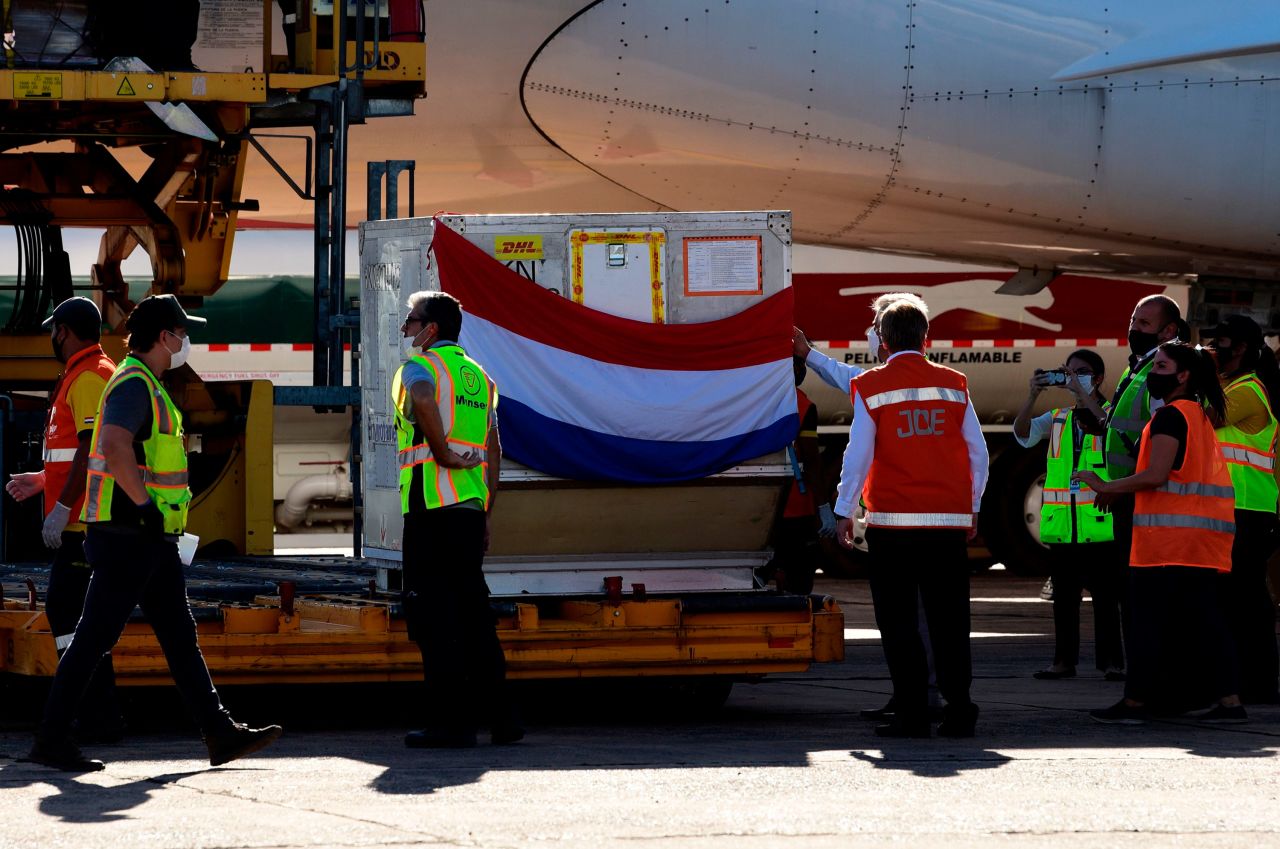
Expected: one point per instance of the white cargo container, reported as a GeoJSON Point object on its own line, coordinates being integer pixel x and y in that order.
{"type": "Point", "coordinates": [684, 553]}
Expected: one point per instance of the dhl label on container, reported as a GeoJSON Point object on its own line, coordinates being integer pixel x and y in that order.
{"type": "Point", "coordinates": [512, 248]}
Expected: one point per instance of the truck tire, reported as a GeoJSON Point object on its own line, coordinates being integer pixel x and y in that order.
{"type": "Point", "coordinates": [1010, 517]}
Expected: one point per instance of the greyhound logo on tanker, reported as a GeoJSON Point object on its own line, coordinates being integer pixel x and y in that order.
{"type": "Point", "coordinates": [969, 322]}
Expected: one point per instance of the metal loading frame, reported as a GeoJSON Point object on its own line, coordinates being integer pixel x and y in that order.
{"type": "Point", "coordinates": [348, 639]}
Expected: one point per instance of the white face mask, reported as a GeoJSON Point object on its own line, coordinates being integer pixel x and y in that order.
{"type": "Point", "coordinates": [179, 357]}
{"type": "Point", "coordinates": [873, 342]}
{"type": "Point", "coordinates": [409, 344]}
{"type": "Point", "coordinates": [1086, 382]}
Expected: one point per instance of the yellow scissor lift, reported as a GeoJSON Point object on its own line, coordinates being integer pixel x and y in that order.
{"type": "Point", "coordinates": [156, 157]}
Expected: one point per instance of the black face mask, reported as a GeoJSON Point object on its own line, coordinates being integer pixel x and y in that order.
{"type": "Point", "coordinates": [1140, 343]}
{"type": "Point", "coordinates": [1161, 385]}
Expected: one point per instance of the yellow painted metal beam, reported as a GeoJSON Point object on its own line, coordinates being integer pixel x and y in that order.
{"type": "Point", "coordinates": [351, 640]}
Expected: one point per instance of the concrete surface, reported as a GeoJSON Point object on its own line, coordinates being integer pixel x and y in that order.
{"type": "Point", "coordinates": [788, 762]}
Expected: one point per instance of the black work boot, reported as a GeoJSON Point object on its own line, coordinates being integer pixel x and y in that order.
{"type": "Point", "coordinates": [62, 754]}
{"type": "Point", "coordinates": [238, 740]}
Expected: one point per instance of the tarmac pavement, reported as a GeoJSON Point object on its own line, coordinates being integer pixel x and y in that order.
{"type": "Point", "coordinates": [786, 763]}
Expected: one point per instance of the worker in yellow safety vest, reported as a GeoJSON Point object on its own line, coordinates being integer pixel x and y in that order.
{"type": "Point", "coordinates": [1250, 378]}
{"type": "Point", "coordinates": [1078, 535]}
{"type": "Point", "coordinates": [135, 508]}
{"type": "Point", "coordinates": [75, 330]}
{"type": "Point", "coordinates": [449, 456]}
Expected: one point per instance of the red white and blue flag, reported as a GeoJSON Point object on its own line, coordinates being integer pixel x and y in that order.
{"type": "Point", "coordinates": [590, 396]}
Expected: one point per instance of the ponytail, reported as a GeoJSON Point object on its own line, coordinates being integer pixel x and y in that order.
{"type": "Point", "coordinates": [1202, 378]}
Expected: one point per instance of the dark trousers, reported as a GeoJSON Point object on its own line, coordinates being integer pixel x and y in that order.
{"type": "Point", "coordinates": [68, 583]}
{"type": "Point", "coordinates": [910, 569]}
{"type": "Point", "coordinates": [1250, 610]}
{"type": "Point", "coordinates": [446, 604]}
{"type": "Point", "coordinates": [1181, 654]}
{"type": "Point", "coordinates": [795, 553]}
{"type": "Point", "coordinates": [131, 570]}
{"type": "Point", "coordinates": [1095, 566]}
{"type": "Point", "coordinates": [1122, 547]}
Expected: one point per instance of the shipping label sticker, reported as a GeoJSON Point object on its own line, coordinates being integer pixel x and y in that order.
{"type": "Point", "coordinates": [37, 85]}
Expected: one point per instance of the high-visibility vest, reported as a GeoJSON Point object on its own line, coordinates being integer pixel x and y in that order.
{"type": "Point", "coordinates": [800, 504]}
{"type": "Point", "coordinates": [1130, 412]}
{"type": "Point", "coordinates": [466, 398]}
{"type": "Point", "coordinates": [164, 471]}
{"type": "Point", "coordinates": [920, 475]}
{"type": "Point", "coordinates": [1190, 519]}
{"type": "Point", "coordinates": [1067, 514]}
{"type": "Point", "coordinates": [1251, 457]}
{"type": "Point", "coordinates": [62, 431]}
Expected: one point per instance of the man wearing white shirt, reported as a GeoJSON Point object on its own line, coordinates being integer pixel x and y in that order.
{"type": "Point", "coordinates": [917, 458]}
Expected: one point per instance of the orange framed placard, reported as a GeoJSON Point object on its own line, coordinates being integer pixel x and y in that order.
{"type": "Point", "coordinates": [719, 266]}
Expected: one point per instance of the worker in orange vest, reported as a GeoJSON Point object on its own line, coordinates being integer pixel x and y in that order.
{"type": "Point", "coordinates": [1183, 529]}
{"type": "Point", "coordinates": [917, 458]}
{"type": "Point", "coordinates": [75, 329]}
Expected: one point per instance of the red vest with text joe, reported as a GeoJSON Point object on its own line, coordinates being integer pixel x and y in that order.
{"type": "Point", "coordinates": [920, 475]}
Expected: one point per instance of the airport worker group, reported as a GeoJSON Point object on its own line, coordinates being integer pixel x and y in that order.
{"type": "Point", "coordinates": [1188, 479]}
{"type": "Point", "coordinates": [1175, 477]}
{"type": "Point", "coordinates": [135, 508]}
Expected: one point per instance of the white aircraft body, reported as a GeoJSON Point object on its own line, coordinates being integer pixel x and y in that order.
{"type": "Point", "coordinates": [1097, 135]}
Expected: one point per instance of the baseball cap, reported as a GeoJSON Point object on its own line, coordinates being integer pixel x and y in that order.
{"type": "Point", "coordinates": [81, 315]}
{"type": "Point", "coordinates": [160, 312]}
{"type": "Point", "coordinates": [1237, 328]}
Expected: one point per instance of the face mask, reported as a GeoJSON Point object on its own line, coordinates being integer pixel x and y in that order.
{"type": "Point", "coordinates": [409, 344]}
{"type": "Point", "coordinates": [1140, 343]}
{"type": "Point", "coordinates": [1086, 382]}
{"type": "Point", "coordinates": [179, 358]}
{"type": "Point", "coordinates": [1160, 386]}
{"type": "Point", "coordinates": [873, 343]}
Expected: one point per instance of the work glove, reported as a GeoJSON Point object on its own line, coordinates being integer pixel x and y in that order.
{"type": "Point", "coordinates": [152, 519]}
{"type": "Point", "coordinates": [827, 517]}
{"type": "Point", "coordinates": [54, 524]}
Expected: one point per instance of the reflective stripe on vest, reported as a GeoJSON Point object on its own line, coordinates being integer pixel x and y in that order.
{"type": "Point", "coordinates": [1251, 457]}
{"type": "Point", "coordinates": [1190, 519]}
{"type": "Point", "coordinates": [922, 393]}
{"type": "Point", "coordinates": [1130, 412]}
{"type": "Point", "coordinates": [1067, 514]}
{"type": "Point", "coordinates": [465, 398]}
{"type": "Point", "coordinates": [164, 471]}
{"type": "Point", "coordinates": [920, 520]}
{"type": "Point", "coordinates": [1063, 496]}
{"type": "Point", "coordinates": [1242, 455]}
{"type": "Point", "coordinates": [1181, 520]}
{"type": "Point", "coordinates": [419, 454]}
{"type": "Point", "coordinates": [58, 455]}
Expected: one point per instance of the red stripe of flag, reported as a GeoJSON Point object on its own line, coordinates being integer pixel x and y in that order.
{"type": "Point", "coordinates": [489, 290]}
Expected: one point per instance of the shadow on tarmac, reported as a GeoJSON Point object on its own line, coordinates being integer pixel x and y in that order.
{"type": "Point", "coordinates": [784, 722]}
